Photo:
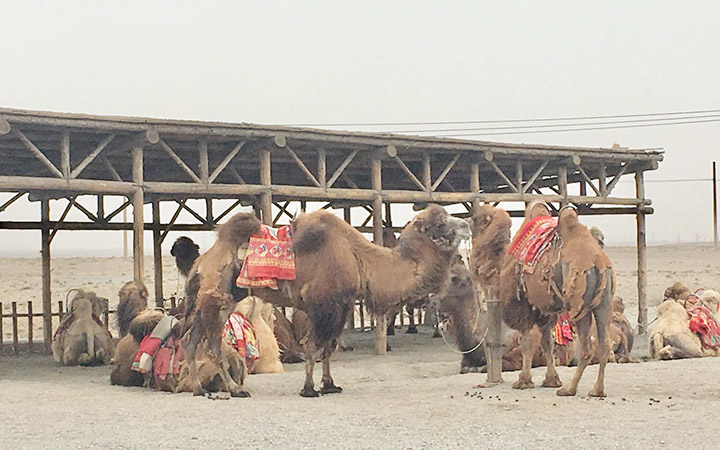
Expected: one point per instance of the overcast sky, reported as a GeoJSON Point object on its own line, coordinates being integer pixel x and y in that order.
{"type": "Point", "coordinates": [352, 62]}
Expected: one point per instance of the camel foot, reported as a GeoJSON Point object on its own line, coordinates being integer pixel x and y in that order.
{"type": "Point", "coordinates": [346, 348]}
{"type": "Point", "coordinates": [566, 392]}
{"type": "Point", "coordinates": [330, 389]}
{"type": "Point", "coordinates": [240, 394]}
{"type": "Point", "coordinates": [436, 334]}
{"type": "Point", "coordinates": [309, 392]}
{"type": "Point", "coordinates": [552, 382]}
{"type": "Point", "coordinates": [523, 384]}
{"type": "Point", "coordinates": [199, 392]}
{"type": "Point", "coordinates": [600, 393]}
{"type": "Point", "coordinates": [411, 330]}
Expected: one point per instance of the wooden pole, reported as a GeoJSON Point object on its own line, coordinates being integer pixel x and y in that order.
{"type": "Point", "coordinates": [157, 253]}
{"type": "Point", "coordinates": [641, 257]}
{"type": "Point", "coordinates": [475, 185]}
{"type": "Point", "coordinates": [715, 208]}
{"type": "Point", "coordinates": [138, 220]}
{"type": "Point", "coordinates": [265, 180]}
{"type": "Point", "coordinates": [46, 285]}
{"type": "Point", "coordinates": [350, 323]}
{"type": "Point", "coordinates": [381, 328]}
{"type": "Point", "coordinates": [563, 184]}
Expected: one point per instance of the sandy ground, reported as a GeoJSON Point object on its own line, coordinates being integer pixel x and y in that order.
{"type": "Point", "coordinates": [411, 398]}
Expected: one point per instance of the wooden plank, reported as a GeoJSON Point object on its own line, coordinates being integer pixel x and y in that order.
{"type": "Point", "coordinates": [46, 274]}
{"type": "Point", "coordinates": [409, 173]}
{"type": "Point", "coordinates": [91, 157]}
{"type": "Point", "coordinates": [38, 153]}
{"type": "Point", "coordinates": [65, 154]}
{"type": "Point", "coordinates": [322, 167]}
{"type": "Point", "coordinates": [179, 161]}
{"type": "Point", "coordinates": [138, 220]}
{"type": "Point", "coordinates": [339, 171]}
{"type": "Point", "coordinates": [615, 179]}
{"type": "Point", "coordinates": [157, 254]}
{"type": "Point", "coordinates": [309, 175]}
{"type": "Point", "coordinates": [507, 180]}
{"type": "Point", "coordinates": [30, 326]}
{"type": "Point", "coordinates": [445, 171]}
{"type": "Point", "coordinates": [14, 321]}
{"type": "Point", "coordinates": [641, 257]}
{"type": "Point", "coordinates": [203, 163]}
{"type": "Point", "coordinates": [535, 176]}
{"type": "Point", "coordinates": [233, 153]}
{"type": "Point", "coordinates": [266, 182]}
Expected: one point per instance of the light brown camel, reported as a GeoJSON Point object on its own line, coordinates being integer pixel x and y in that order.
{"type": "Point", "coordinates": [261, 316]}
{"type": "Point", "coordinates": [671, 337]}
{"type": "Point", "coordinates": [81, 339]}
{"type": "Point", "coordinates": [576, 277]}
{"type": "Point", "coordinates": [132, 298]}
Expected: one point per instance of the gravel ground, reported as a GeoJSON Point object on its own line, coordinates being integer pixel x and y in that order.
{"type": "Point", "coordinates": [412, 398]}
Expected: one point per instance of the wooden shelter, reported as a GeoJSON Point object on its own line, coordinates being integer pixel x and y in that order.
{"type": "Point", "coordinates": [52, 155]}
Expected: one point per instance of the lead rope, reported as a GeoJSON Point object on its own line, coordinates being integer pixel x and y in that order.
{"type": "Point", "coordinates": [441, 326]}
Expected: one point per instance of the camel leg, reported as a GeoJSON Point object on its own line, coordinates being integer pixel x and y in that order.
{"type": "Point", "coordinates": [585, 354]}
{"type": "Point", "coordinates": [412, 328]}
{"type": "Point", "coordinates": [189, 343]}
{"type": "Point", "coordinates": [602, 319]}
{"type": "Point", "coordinates": [233, 387]}
{"type": "Point", "coordinates": [308, 389]}
{"type": "Point", "coordinates": [525, 379]}
{"type": "Point", "coordinates": [328, 385]}
{"type": "Point", "coordinates": [552, 379]}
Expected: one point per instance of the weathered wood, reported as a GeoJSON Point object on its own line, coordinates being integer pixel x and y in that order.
{"type": "Point", "coordinates": [30, 326]}
{"type": "Point", "coordinates": [615, 179]}
{"type": "Point", "coordinates": [475, 185]}
{"type": "Point", "coordinates": [46, 270]}
{"type": "Point", "coordinates": [588, 180]}
{"type": "Point", "coordinates": [12, 200]}
{"type": "Point", "coordinates": [157, 253]}
{"type": "Point", "coordinates": [641, 257]}
{"type": "Point", "coordinates": [14, 319]}
{"type": "Point", "coordinates": [4, 127]}
{"type": "Point", "coordinates": [64, 214]}
{"type": "Point", "coordinates": [562, 184]}
{"type": "Point", "coordinates": [65, 154]}
{"type": "Point", "coordinates": [303, 167]}
{"type": "Point", "coordinates": [602, 181]}
{"type": "Point", "coordinates": [13, 183]}
{"type": "Point", "coordinates": [341, 168]}
{"type": "Point", "coordinates": [322, 167]}
{"type": "Point", "coordinates": [233, 153]}
{"type": "Point", "coordinates": [91, 157]}
{"type": "Point", "coordinates": [179, 161]}
{"type": "Point", "coordinates": [169, 226]}
{"type": "Point", "coordinates": [38, 153]}
{"type": "Point", "coordinates": [376, 172]}
{"type": "Point", "coordinates": [427, 171]}
{"type": "Point", "coordinates": [519, 176]}
{"type": "Point", "coordinates": [138, 221]}
{"type": "Point", "coordinates": [493, 340]}
{"type": "Point", "coordinates": [507, 180]}
{"type": "Point", "coordinates": [535, 176]}
{"type": "Point", "coordinates": [117, 211]}
{"type": "Point", "coordinates": [82, 209]}
{"type": "Point", "coordinates": [228, 210]}
{"type": "Point", "coordinates": [409, 173]}
{"type": "Point", "coordinates": [203, 163]}
{"type": "Point", "coordinates": [445, 171]}
{"type": "Point", "coordinates": [266, 181]}
{"type": "Point", "coordinates": [112, 171]}
{"type": "Point", "coordinates": [237, 176]}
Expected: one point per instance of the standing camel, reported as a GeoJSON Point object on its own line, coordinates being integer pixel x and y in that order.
{"type": "Point", "coordinates": [572, 275]}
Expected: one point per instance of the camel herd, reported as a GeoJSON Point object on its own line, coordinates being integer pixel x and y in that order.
{"type": "Point", "coordinates": [336, 265]}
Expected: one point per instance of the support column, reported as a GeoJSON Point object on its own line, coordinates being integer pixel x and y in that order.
{"type": "Point", "coordinates": [157, 253]}
{"type": "Point", "coordinates": [46, 285]}
{"type": "Point", "coordinates": [138, 219]}
{"type": "Point", "coordinates": [381, 328]}
{"type": "Point", "coordinates": [350, 322]}
{"type": "Point", "coordinates": [562, 184]}
{"type": "Point", "coordinates": [475, 186]}
{"type": "Point", "coordinates": [641, 256]}
{"type": "Point", "coordinates": [265, 180]}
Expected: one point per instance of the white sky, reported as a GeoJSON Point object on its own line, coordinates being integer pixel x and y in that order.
{"type": "Point", "coordinates": [323, 62]}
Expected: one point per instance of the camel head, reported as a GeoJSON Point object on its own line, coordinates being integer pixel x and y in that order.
{"type": "Point", "coordinates": [598, 235]}
{"type": "Point", "coordinates": [185, 252]}
{"type": "Point", "coordinates": [711, 299]}
{"type": "Point", "coordinates": [490, 224]}
{"type": "Point", "coordinates": [677, 291]}
{"type": "Point", "coordinates": [460, 289]}
{"type": "Point", "coordinates": [238, 229]}
{"type": "Point", "coordinates": [81, 307]}
{"type": "Point", "coordinates": [445, 231]}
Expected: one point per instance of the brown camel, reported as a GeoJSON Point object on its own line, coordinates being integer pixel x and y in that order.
{"type": "Point", "coordinates": [261, 316]}
{"type": "Point", "coordinates": [290, 348]}
{"type": "Point", "coordinates": [81, 339]}
{"type": "Point", "coordinates": [576, 277]}
{"type": "Point", "coordinates": [133, 298]}
{"type": "Point", "coordinates": [209, 301]}
{"type": "Point", "coordinates": [185, 252]}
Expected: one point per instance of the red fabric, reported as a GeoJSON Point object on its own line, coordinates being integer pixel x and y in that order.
{"type": "Point", "coordinates": [703, 323]}
{"type": "Point", "coordinates": [167, 359]}
{"type": "Point", "coordinates": [149, 346]}
{"type": "Point", "coordinates": [532, 239]}
{"type": "Point", "coordinates": [562, 331]}
{"type": "Point", "coordinates": [269, 258]}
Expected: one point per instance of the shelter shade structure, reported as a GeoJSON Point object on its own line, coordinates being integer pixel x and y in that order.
{"type": "Point", "coordinates": [171, 162]}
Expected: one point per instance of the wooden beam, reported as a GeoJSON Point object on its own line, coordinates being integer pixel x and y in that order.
{"type": "Point", "coordinates": [266, 182]}
{"type": "Point", "coordinates": [218, 170]}
{"type": "Point", "coordinates": [535, 176]}
{"type": "Point", "coordinates": [588, 181]}
{"type": "Point", "coordinates": [376, 173]}
{"type": "Point", "coordinates": [179, 161]}
{"type": "Point", "coordinates": [38, 153]}
{"type": "Point", "coordinates": [228, 210]}
{"type": "Point", "coordinates": [409, 173]}
{"type": "Point", "coordinates": [519, 176]}
{"type": "Point", "coordinates": [562, 184]}
{"type": "Point", "coordinates": [342, 167]}
{"type": "Point", "coordinates": [445, 171]}
{"type": "Point", "coordinates": [427, 172]}
{"type": "Point", "coordinates": [322, 167]}
{"type": "Point", "coordinates": [507, 180]}
{"type": "Point", "coordinates": [168, 228]}
{"type": "Point", "coordinates": [203, 163]}
{"type": "Point", "coordinates": [91, 157]}
{"type": "Point", "coordinates": [138, 220]}
{"type": "Point", "coordinates": [615, 179]}
{"type": "Point", "coordinates": [641, 257]}
{"type": "Point", "coordinates": [111, 169]}
{"type": "Point", "coordinates": [184, 206]}
{"type": "Point", "coordinates": [12, 200]}
{"type": "Point", "coordinates": [302, 166]}
{"type": "Point", "coordinates": [475, 185]}
{"type": "Point", "coordinates": [13, 183]}
{"type": "Point", "coordinates": [83, 209]}
{"type": "Point", "coordinates": [4, 127]}
{"type": "Point", "coordinates": [65, 154]}
{"type": "Point", "coordinates": [602, 181]}
{"type": "Point", "coordinates": [237, 176]}
{"type": "Point", "coordinates": [46, 271]}
{"type": "Point", "coordinates": [117, 211]}
{"type": "Point", "coordinates": [157, 253]}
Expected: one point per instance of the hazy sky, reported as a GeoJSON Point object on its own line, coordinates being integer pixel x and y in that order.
{"type": "Point", "coordinates": [350, 62]}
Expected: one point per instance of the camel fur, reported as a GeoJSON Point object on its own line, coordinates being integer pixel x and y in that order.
{"type": "Point", "coordinates": [84, 342]}
{"type": "Point", "coordinates": [128, 346]}
{"type": "Point", "coordinates": [671, 337]}
{"type": "Point", "coordinates": [132, 299]}
{"type": "Point", "coordinates": [262, 318]}
{"type": "Point", "coordinates": [290, 348]}
{"type": "Point", "coordinates": [576, 277]}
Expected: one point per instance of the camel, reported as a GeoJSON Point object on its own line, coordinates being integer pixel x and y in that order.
{"type": "Point", "coordinates": [290, 348]}
{"type": "Point", "coordinates": [576, 277]}
{"type": "Point", "coordinates": [262, 317]}
{"type": "Point", "coordinates": [678, 292]}
{"type": "Point", "coordinates": [336, 264]}
{"type": "Point", "coordinates": [185, 252]}
{"type": "Point", "coordinates": [81, 339]}
{"type": "Point", "coordinates": [671, 337]}
{"type": "Point", "coordinates": [139, 326]}
{"type": "Point", "coordinates": [133, 298]}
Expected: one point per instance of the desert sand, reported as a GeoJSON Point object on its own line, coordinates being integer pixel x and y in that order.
{"type": "Point", "coordinates": [412, 398]}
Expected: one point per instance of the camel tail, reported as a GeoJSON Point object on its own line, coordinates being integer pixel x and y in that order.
{"type": "Point", "coordinates": [328, 319]}
{"type": "Point", "coordinates": [90, 339]}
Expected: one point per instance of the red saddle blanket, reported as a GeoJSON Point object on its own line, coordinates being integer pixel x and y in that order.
{"type": "Point", "coordinates": [563, 330]}
{"type": "Point", "coordinates": [532, 239]}
{"type": "Point", "coordinates": [703, 323]}
{"type": "Point", "coordinates": [269, 258]}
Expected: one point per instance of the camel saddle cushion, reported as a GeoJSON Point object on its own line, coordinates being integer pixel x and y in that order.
{"type": "Point", "coordinates": [269, 257]}
{"type": "Point", "coordinates": [532, 240]}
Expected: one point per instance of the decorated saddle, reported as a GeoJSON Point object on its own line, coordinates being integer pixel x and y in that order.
{"type": "Point", "coordinates": [563, 330]}
{"type": "Point", "coordinates": [240, 334]}
{"type": "Point", "coordinates": [703, 323]}
{"type": "Point", "coordinates": [532, 240]}
{"type": "Point", "coordinates": [269, 257]}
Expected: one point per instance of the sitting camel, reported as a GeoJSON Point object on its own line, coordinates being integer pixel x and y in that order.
{"type": "Point", "coordinates": [671, 337]}
{"type": "Point", "coordinates": [290, 348]}
{"type": "Point", "coordinates": [81, 339]}
{"type": "Point", "coordinates": [262, 318]}
{"type": "Point", "coordinates": [132, 298]}
{"type": "Point", "coordinates": [576, 277]}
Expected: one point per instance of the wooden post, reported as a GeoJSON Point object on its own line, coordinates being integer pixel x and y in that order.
{"type": "Point", "coordinates": [30, 326]}
{"type": "Point", "coordinates": [715, 208]}
{"type": "Point", "coordinates": [157, 253]}
{"type": "Point", "coordinates": [46, 285]}
{"type": "Point", "coordinates": [562, 184]}
{"type": "Point", "coordinates": [350, 323]}
{"type": "Point", "coordinates": [65, 154]}
{"type": "Point", "coordinates": [427, 172]}
{"type": "Point", "coordinates": [641, 256]}
{"type": "Point", "coordinates": [16, 340]}
{"type": "Point", "coordinates": [265, 180]}
{"type": "Point", "coordinates": [381, 328]}
{"type": "Point", "coordinates": [138, 219]}
{"type": "Point", "coordinates": [322, 167]}
{"type": "Point", "coordinates": [475, 185]}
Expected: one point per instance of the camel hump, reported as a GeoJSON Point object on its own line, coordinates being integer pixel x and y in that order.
{"type": "Point", "coordinates": [311, 232]}
{"type": "Point", "coordinates": [144, 322]}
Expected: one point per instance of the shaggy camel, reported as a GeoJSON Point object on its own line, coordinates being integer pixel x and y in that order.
{"type": "Point", "coordinates": [133, 298]}
{"type": "Point", "coordinates": [81, 339]}
{"type": "Point", "coordinates": [671, 337]}
{"type": "Point", "coordinates": [290, 348]}
{"type": "Point", "coordinates": [209, 301]}
{"type": "Point", "coordinates": [262, 317]}
{"type": "Point", "coordinates": [576, 277]}
{"type": "Point", "coordinates": [185, 252]}
{"type": "Point", "coordinates": [139, 326]}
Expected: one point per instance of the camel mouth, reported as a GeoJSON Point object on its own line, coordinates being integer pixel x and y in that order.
{"type": "Point", "coordinates": [461, 229]}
